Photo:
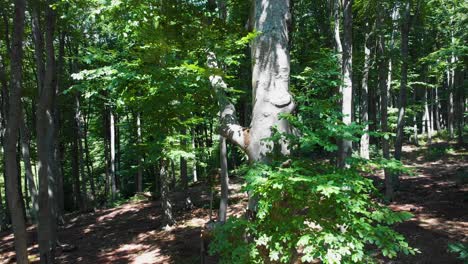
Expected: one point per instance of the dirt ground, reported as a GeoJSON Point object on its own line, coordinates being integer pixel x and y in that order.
{"type": "Point", "coordinates": [437, 195]}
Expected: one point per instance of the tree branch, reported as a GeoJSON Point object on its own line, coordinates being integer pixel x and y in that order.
{"type": "Point", "coordinates": [230, 127]}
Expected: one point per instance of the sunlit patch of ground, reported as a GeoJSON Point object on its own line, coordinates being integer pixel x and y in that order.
{"type": "Point", "coordinates": [132, 233]}
{"type": "Point", "coordinates": [437, 197]}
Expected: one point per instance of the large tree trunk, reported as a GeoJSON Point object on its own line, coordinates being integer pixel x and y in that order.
{"type": "Point", "coordinates": [224, 179]}
{"type": "Point", "coordinates": [45, 147]}
{"type": "Point", "coordinates": [12, 129]}
{"type": "Point", "coordinates": [270, 86]}
{"type": "Point", "coordinates": [346, 146]}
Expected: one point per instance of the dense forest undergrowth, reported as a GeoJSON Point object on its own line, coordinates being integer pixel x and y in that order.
{"type": "Point", "coordinates": [436, 194]}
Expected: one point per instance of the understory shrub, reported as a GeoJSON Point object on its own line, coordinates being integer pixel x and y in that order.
{"type": "Point", "coordinates": [310, 212]}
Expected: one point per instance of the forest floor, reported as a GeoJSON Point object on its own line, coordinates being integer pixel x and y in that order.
{"type": "Point", "coordinates": [437, 195]}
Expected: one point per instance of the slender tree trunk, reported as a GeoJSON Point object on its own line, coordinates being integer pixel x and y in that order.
{"type": "Point", "coordinates": [106, 152]}
{"type": "Point", "coordinates": [415, 122]}
{"type": "Point", "coordinates": [346, 146]}
{"type": "Point", "coordinates": [427, 119]}
{"type": "Point", "coordinates": [139, 181]}
{"type": "Point", "coordinates": [436, 109]}
{"type": "Point", "coordinates": [112, 154]}
{"type": "Point", "coordinates": [25, 137]}
{"type": "Point", "coordinates": [168, 218]}
{"type": "Point", "coordinates": [11, 136]}
{"type": "Point", "coordinates": [404, 81]}
{"type": "Point", "coordinates": [194, 165]}
{"type": "Point", "coordinates": [451, 87]}
{"type": "Point", "coordinates": [81, 163]}
{"type": "Point", "coordinates": [184, 174]}
{"type": "Point", "coordinates": [3, 116]}
{"type": "Point", "coordinates": [173, 175]}
{"type": "Point", "coordinates": [58, 164]}
{"type": "Point", "coordinates": [89, 163]}
{"type": "Point", "coordinates": [75, 165]}
{"type": "Point", "coordinates": [224, 178]}
{"type": "Point", "coordinates": [364, 150]}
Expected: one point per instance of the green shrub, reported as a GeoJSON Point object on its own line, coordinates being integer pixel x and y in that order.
{"type": "Point", "coordinates": [460, 249]}
{"type": "Point", "coordinates": [311, 212]}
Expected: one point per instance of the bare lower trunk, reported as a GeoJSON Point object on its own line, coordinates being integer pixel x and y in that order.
{"type": "Point", "coordinates": [139, 180]}
{"type": "Point", "coordinates": [364, 150]}
{"type": "Point", "coordinates": [79, 129]}
{"type": "Point", "coordinates": [404, 81]}
{"type": "Point", "coordinates": [25, 135]}
{"type": "Point", "coordinates": [426, 118]}
{"type": "Point", "coordinates": [224, 178]}
{"type": "Point", "coordinates": [415, 123]}
{"type": "Point", "coordinates": [168, 218]}
{"type": "Point", "coordinates": [12, 130]}
{"type": "Point", "coordinates": [346, 146]}
{"type": "Point", "coordinates": [112, 155]}
{"type": "Point", "coordinates": [194, 165]}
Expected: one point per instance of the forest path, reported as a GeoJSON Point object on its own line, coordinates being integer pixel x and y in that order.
{"type": "Point", "coordinates": [437, 196]}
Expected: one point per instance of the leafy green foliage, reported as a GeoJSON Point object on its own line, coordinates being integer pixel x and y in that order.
{"type": "Point", "coordinates": [460, 249]}
{"type": "Point", "coordinates": [313, 212]}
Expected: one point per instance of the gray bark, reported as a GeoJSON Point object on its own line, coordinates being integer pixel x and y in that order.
{"type": "Point", "coordinates": [224, 178]}
{"type": "Point", "coordinates": [346, 89]}
{"type": "Point", "coordinates": [112, 155]}
{"type": "Point", "coordinates": [45, 148]}
{"type": "Point", "coordinates": [139, 181]}
{"type": "Point", "coordinates": [168, 218]}
{"type": "Point", "coordinates": [75, 166]}
{"type": "Point", "coordinates": [194, 164]}
{"type": "Point", "coordinates": [270, 86]}
{"type": "Point", "coordinates": [81, 164]}
{"type": "Point", "coordinates": [405, 28]}
{"type": "Point", "coordinates": [25, 151]}
{"type": "Point", "coordinates": [364, 149]}
{"type": "Point", "coordinates": [12, 130]}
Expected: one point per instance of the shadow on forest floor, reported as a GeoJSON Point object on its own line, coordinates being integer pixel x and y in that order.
{"type": "Point", "coordinates": [131, 233]}
{"type": "Point", "coordinates": [437, 196]}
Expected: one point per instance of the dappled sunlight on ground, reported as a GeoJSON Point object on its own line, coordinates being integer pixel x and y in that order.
{"type": "Point", "coordinates": [132, 233]}
{"type": "Point", "coordinates": [436, 195]}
